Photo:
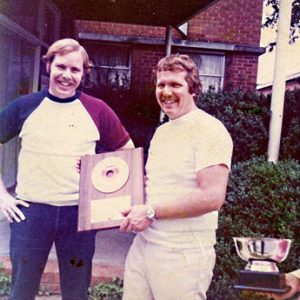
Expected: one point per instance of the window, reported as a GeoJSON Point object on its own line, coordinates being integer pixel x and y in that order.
{"type": "Point", "coordinates": [24, 13]}
{"type": "Point", "coordinates": [41, 18]}
{"type": "Point", "coordinates": [49, 18]}
{"type": "Point", "coordinates": [111, 65]}
{"type": "Point", "coordinates": [16, 78]}
{"type": "Point", "coordinates": [25, 27]}
{"type": "Point", "coordinates": [211, 70]}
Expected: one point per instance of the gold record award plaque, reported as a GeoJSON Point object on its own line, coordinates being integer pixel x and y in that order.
{"type": "Point", "coordinates": [109, 183]}
{"type": "Point", "coordinates": [110, 174]}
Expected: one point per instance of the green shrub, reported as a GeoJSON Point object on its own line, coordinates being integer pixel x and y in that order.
{"type": "Point", "coordinates": [262, 201]}
{"type": "Point", "coordinates": [290, 142]}
{"type": "Point", "coordinates": [5, 282]}
{"type": "Point", "coordinates": [107, 291]}
{"type": "Point", "coordinates": [245, 115]}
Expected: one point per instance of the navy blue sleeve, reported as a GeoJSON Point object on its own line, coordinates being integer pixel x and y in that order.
{"type": "Point", "coordinates": [14, 115]}
{"type": "Point", "coordinates": [9, 122]}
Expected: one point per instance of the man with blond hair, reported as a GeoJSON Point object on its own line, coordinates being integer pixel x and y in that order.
{"type": "Point", "coordinates": [56, 127]}
{"type": "Point", "coordinates": [172, 256]}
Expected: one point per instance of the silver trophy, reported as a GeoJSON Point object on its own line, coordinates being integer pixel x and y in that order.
{"type": "Point", "coordinates": [262, 255]}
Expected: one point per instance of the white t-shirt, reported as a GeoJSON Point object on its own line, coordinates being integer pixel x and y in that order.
{"type": "Point", "coordinates": [178, 150]}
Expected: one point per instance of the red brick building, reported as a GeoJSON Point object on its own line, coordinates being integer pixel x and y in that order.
{"type": "Point", "coordinates": [223, 40]}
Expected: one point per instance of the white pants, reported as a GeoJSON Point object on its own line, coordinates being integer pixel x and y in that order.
{"type": "Point", "coordinates": [160, 273]}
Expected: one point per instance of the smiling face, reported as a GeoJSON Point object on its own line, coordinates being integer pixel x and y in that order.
{"type": "Point", "coordinates": [66, 72]}
{"type": "Point", "coordinates": [172, 93]}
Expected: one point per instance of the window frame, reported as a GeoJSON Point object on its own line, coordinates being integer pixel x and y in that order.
{"type": "Point", "coordinates": [220, 54]}
{"type": "Point", "coordinates": [106, 67]}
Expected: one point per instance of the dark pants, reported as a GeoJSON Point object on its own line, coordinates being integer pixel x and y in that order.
{"type": "Point", "coordinates": [30, 244]}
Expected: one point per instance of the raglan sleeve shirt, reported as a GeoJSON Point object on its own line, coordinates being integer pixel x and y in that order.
{"type": "Point", "coordinates": [54, 134]}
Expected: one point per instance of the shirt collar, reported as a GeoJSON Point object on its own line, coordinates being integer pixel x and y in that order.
{"type": "Point", "coordinates": [65, 100]}
{"type": "Point", "coordinates": [185, 118]}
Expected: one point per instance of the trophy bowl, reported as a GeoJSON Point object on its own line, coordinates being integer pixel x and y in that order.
{"type": "Point", "coordinates": [262, 255]}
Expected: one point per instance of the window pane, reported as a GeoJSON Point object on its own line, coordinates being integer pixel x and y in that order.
{"type": "Point", "coordinates": [111, 65]}
{"type": "Point", "coordinates": [208, 64]}
{"type": "Point", "coordinates": [49, 26]}
{"type": "Point", "coordinates": [25, 13]}
{"type": "Point", "coordinates": [100, 59]}
{"type": "Point", "coordinates": [211, 70]}
{"type": "Point", "coordinates": [209, 83]}
{"type": "Point", "coordinates": [16, 66]}
{"type": "Point", "coordinates": [16, 78]}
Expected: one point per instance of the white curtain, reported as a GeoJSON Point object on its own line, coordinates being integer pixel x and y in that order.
{"type": "Point", "coordinates": [211, 70]}
{"type": "Point", "coordinates": [112, 65]}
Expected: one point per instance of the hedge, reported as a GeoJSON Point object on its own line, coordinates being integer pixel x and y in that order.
{"type": "Point", "coordinates": [246, 115]}
{"type": "Point", "coordinates": [263, 200]}
{"type": "Point", "coordinates": [290, 142]}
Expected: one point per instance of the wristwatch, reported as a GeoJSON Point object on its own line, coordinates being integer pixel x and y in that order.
{"type": "Point", "coordinates": [150, 213]}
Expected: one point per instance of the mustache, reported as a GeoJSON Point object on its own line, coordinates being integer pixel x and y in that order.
{"type": "Point", "coordinates": [168, 98]}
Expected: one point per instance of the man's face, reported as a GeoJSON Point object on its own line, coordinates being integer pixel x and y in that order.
{"type": "Point", "coordinates": [172, 94]}
{"type": "Point", "coordinates": [66, 72]}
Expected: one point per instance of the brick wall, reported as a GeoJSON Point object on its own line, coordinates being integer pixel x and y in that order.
{"type": "Point", "coordinates": [227, 21]}
{"type": "Point", "coordinates": [240, 71]}
{"type": "Point", "coordinates": [122, 29]}
{"type": "Point", "coordinates": [231, 21]}
{"type": "Point", "coordinates": [144, 59]}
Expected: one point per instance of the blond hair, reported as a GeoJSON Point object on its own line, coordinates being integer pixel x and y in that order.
{"type": "Point", "coordinates": [65, 46]}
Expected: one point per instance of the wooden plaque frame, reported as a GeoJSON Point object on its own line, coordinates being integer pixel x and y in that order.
{"type": "Point", "coordinates": [100, 210]}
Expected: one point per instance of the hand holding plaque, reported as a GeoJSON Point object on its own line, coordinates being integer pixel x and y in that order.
{"type": "Point", "coordinates": [109, 183]}
{"type": "Point", "coordinates": [261, 272]}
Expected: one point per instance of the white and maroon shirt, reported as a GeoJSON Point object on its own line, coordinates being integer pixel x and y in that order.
{"type": "Point", "coordinates": [54, 134]}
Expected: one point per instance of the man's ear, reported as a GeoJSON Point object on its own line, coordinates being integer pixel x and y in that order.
{"type": "Point", "coordinates": [48, 67]}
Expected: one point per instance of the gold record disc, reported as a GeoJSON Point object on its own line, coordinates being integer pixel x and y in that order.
{"type": "Point", "coordinates": [110, 174]}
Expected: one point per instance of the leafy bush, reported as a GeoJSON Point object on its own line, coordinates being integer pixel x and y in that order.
{"type": "Point", "coordinates": [5, 282]}
{"type": "Point", "coordinates": [290, 143]}
{"type": "Point", "coordinates": [245, 115]}
{"type": "Point", "coordinates": [247, 118]}
{"type": "Point", "coordinates": [107, 291]}
{"type": "Point", "coordinates": [262, 201]}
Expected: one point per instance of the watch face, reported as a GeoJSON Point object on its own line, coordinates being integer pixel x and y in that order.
{"type": "Point", "coordinates": [150, 213]}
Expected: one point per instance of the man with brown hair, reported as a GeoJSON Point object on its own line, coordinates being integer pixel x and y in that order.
{"type": "Point", "coordinates": [172, 256]}
{"type": "Point", "coordinates": [56, 126]}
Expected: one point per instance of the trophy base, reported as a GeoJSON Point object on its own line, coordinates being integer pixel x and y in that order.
{"type": "Point", "coordinates": [270, 282]}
